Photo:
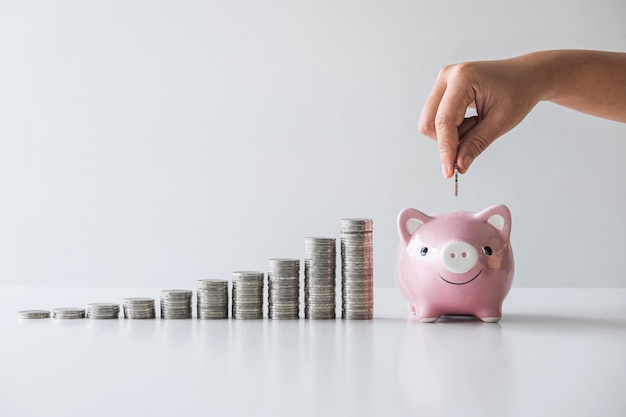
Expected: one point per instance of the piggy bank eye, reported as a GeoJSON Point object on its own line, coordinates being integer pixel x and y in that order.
{"type": "Point", "coordinates": [488, 251]}
{"type": "Point", "coordinates": [424, 251]}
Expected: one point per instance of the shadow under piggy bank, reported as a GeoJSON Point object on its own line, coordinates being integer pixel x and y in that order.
{"type": "Point", "coordinates": [453, 367]}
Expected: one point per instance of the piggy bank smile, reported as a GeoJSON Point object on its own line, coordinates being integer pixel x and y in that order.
{"type": "Point", "coordinates": [461, 283]}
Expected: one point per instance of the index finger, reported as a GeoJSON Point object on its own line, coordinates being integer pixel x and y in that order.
{"type": "Point", "coordinates": [429, 111]}
{"type": "Point", "coordinates": [450, 115]}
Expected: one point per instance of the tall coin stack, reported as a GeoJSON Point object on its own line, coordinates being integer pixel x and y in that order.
{"type": "Point", "coordinates": [283, 289]}
{"type": "Point", "coordinates": [103, 311]}
{"type": "Point", "coordinates": [247, 295]}
{"type": "Point", "coordinates": [176, 304]}
{"type": "Point", "coordinates": [138, 308]}
{"type": "Point", "coordinates": [320, 265]}
{"type": "Point", "coordinates": [212, 299]}
{"type": "Point", "coordinates": [357, 269]}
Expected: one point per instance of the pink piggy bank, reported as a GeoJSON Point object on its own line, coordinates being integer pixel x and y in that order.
{"type": "Point", "coordinates": [456, 263]}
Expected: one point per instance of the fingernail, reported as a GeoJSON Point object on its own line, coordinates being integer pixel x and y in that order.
{"type": "Point", "coordinates": [467, 161]}
{"type": "Point", "coordinates": [445, 170]}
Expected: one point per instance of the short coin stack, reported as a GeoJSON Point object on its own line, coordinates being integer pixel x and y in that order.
{"type": "Point", "coordinates": [212, 299]}
{"type": "Point", "coordinates": [138, 308]}
{"type": "Point", "coordinates": [247, 295]}
{"type": "Point", "coordinates": [357, 269]}
{"type": "Point", "coordinates": [33, 314]}
{"type": "Point", "coordinates": [283, 289]}
{"type": "Point", "coordinates": [103, 311]}
{"type": "Point", "coordinates": [320, 262]}
{"type": "Point", "coordinates": [176, 304]}
{"type": "Point", "coordinates": [68, 313]}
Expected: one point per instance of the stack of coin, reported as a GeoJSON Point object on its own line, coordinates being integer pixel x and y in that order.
{"type": "Point", "coordinates": [33, 314]}
{"type": "Point", "coordinates": [176, 304]}
{"type": "Point", "coordinates": [103, 311]}
{"type": "Point", "coordinates": [138, 308]}
{"type": "Point", "coordinates": [247, 295]}
{"type": "Point", "coordinates": [212, 298]}
{"type": "Point", "coordinates": [283, 289]}
{"type": "Point", "coordinates": [357, 269]}
{"type": "Point", "coordinates": [320, 262]}
{"type": "Point", "coordinates": [68, 313]}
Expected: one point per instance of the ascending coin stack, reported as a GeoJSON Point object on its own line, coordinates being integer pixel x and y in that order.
{"type": "Point", "coordinates": [176, 304]}
{"type": "Point", "coordinates": [357, 269]}
{"type": "Point", "coordinates": [320, 266]}
{"type": "Point", "coordinates": [212, 299]}
{"type": "Point", "coordinates": [100, 311]}
{"type": "Point", "coordinates": [248, 295]}
{"type": "Point", "coordinates": [68, 313]}
{"type": "Point", "coordinates": [138, 308]}
{"type": "Point", "coordinates": [283, 289]}
{"type": "Point", "coordinates": [283, 277]}
{"type": "Point", "coordinates": [33, 314]}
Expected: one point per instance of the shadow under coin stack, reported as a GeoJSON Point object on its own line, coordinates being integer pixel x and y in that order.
{"type": "Point", "coordinates": [283, 289]}
{"type": "Point", "coordinates": [103, 311]}
{"type": "Point", "coordinates": [357, 269]}
{"type": "Point", "coordinates": [138, 308]}
{"type": "Point", "coordinates": [247, 295]}
{"type": "Point", "coordinates": [68, 313]}
{"type": "Point", "coordinates": [176, 304]}
{"type": "Point", "coordinates": [212, 299]}
{"type": "Point", "coordinates": [320, 265]}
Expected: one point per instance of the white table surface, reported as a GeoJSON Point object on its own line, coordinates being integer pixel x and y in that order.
{"type": "Point", "coordinates": [556, 352]}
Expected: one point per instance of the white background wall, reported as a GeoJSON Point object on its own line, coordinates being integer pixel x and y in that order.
{"type": "Point", "coordinates": [155, 142]}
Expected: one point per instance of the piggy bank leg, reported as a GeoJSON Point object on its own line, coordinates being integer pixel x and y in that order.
{"type": "Point", "coordinates": [428, 315]}
{"type": "Point", "coordinates": [428, 319]}
{"type": "Point", "coordinates": [490, 319]}
{"type": "Point", "coordinates": [412, 308]}
{"type": "Point", "coordinates": [492, 315]}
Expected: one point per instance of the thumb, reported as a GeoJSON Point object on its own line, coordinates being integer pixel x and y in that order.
{"type": "Point", "coordinates": [474, 142]}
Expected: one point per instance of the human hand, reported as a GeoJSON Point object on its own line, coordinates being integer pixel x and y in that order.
{"type": "Point", "coordinates": [502, 92]}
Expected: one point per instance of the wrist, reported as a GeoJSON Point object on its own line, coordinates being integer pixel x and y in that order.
{"type": "Point", "coordinates": [543, 72]}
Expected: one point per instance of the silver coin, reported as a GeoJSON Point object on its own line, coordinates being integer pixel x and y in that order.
{"type": "Point", "coordinates": [138, 308]}
{"type": "Point", "coordinates": [138, 301]}
{"type": "Point", "coordinates": [176, 304]}
{"type": "Point", "coordinates": [320, 266]}
{"type": "Point", "coordinates": [68, 313]}
{"type": "Point", "coordinates": [103, 311]}
{"type": "Point", "coordinates": [33, 314]}
{"type": "Point", "coordinates": [356, 225]}
{"type": "Point", "coordinates": [242, 276]}
{"type": "Point", "coordinates": [247, 295]}
{"type": "Point", "coordinates": [313, 314]}
{"type": "Point", "coordinates": [357, 269]}
{"type": "Point", "coordinates": [283, 295]}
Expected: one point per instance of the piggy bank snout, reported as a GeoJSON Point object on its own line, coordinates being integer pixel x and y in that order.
{"type": "Point", "coordinates": [459, 257]}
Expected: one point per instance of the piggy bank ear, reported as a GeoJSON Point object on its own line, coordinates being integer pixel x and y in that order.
{"type": "Point", "coordinates": [409, 220]}
{"type": "Point", "coordinates": [499, 217]}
